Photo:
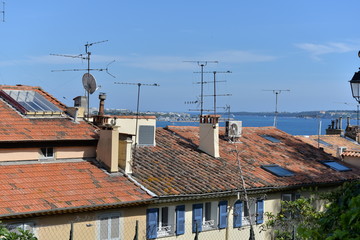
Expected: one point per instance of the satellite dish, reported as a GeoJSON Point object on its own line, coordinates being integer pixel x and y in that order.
{"type": "Point", "coordinates": [89, 83]}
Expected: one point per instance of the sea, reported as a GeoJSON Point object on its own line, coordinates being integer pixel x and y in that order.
{"type": "Point", "coordinates": [291, 125]}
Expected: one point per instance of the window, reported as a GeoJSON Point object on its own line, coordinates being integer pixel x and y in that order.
{"type": "Point", "coordinates": [14, 227]}
{"type": "Point", "coordinates": [160, 222]}
{"type": "Point", "coordinates": [271, 138]}
{"type": "Point", "coordinates": [29, 102]}
{"type": "Point", "coordinates": [146, 135]}
{"type": "Point", "coordinates": [336, 166]}
{"type": "Point", "coordinates": [323, 142]}
{"type": "Point", "coordinates": [289, 197]}
{"type": "Point", "coordinates": [109, 226]}
{"type": "Point", "coordinates": [47, 152]}
{"type": "Point", "coordinates": [244, 216]}
{"type": "Point", "coordinates": [277, 170]}
{"type": "Point", "coordinates": [209, 216]}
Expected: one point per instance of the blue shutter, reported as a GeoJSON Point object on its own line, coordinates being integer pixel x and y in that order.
{"type": "Point", "coordinates": [238, 214]}
{"type": "Point", "coordinates": [180, 220]}
{"type": "Point", "coordinates": [152, 223]}
{"type": "Point", "coordinates": [260, 211]}
{"type": "Point", "coordinates": [197, 217]}
{"type": "Point", "coordinates": [223, 214]}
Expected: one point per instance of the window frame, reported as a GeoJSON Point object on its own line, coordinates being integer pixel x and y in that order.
{"type": "Point", "coordinates": [45, 154]}
{"type": "Point", "coordinates": [269, 167]}
{"type": "Point", "coordinates": [244, 217]}
{"type": "Point", "coordinates": [108, 217]}
{"type": "Point", "coordinates": [326, 163]}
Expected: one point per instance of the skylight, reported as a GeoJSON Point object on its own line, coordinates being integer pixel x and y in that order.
{"type": "Point", "coordinates": [336, 166]}
{"type": "Point", "coordinates": [271, 138]}
{"type": "Point", "coordinates": [277, 170]}
{"type": "Point", "coordinates": [29, 102]}
{"type": "Point", "coordinates": [323, 142]}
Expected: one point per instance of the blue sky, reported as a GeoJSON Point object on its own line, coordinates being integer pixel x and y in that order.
{"type": "Point", "coordinates": [309, 47]}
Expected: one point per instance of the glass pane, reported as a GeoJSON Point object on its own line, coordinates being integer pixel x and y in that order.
{"type": "Point", "coordinates": [164, 216]}
{"type": "Point", "coordinates": [207, 211]}
{"type": "Point", "coordinates": [337, 166]}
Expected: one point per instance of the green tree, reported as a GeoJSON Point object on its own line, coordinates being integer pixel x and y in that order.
{"type": "Point", "coordinates": [300, 219]}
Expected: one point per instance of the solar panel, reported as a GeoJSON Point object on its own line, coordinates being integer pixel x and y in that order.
{"type": "Point", "coordinates": [271, 138]}
{"type": "Point", "coordinates": [336, 166]}
{"type": "Point", "coordinates": [31, 101]}
{"type": "Point", "coordinates": [277, 170]}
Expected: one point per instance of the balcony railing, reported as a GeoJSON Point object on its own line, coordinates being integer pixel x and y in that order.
{"type": "Point", "coordinates": [208, 225]}
{"type": "Point", "coordinates": [164, 231]}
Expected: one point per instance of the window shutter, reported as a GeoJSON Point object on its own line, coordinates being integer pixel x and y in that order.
{"type": "Point", "coordinates": [260, 212]}
{"type": "Point", "coordinates": [237, 214]}
{"type": "Point", "coordinates": [146, 135]}
{"type": "Point", "coordinates": [223, 214]}
{"type": "Point", "coordinates": [180, 220]}
{"type": "Point", "coordinates": [197, 217]}
{"type": "Point", "coordinates": [151, 222]}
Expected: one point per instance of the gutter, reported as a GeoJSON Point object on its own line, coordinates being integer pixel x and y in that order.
{"type": "Point", "coordinates": [75, 209]}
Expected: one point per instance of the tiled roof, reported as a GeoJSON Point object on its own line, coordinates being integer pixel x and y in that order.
{"type": "Point", "coordinates": [333, 143]}
{"type": "Point", "coordinates": [175, 165]}
{"type": "Point", "coordinates": [16, 127]}
{"type": "Point", "coordinates": [351, 154]}
{"type": "Point", "coordinates": [53, 186]}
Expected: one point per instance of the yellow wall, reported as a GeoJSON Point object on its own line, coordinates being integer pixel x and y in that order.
{"type": "Point", "coordinates": [20, 154]}
{"type": "Point", "coordinates": [86, 225]}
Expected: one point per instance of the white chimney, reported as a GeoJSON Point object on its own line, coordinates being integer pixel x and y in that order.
{"type": "Point", "coordinates": [209, 135]}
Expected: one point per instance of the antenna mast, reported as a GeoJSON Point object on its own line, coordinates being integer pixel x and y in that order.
{"type": "Point", "coordinates": [202, 64]}
{"type": "Point", "coordinates": [214, 95]}
{"type": "Point", "coordinates": [277, 92]}
{"type": "Point", "coordinates": [138, 102]}
{"type": "Point", "coordinates": [3, 12]}
{"type": "Point", "coordinates": [86, 56]}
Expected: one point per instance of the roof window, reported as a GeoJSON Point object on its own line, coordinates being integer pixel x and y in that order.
{"type": "Point", "coordinates": [277, 170]}
{"type": "Point", "coordinates": [336, 166]}
{"type": "Point", "coordinates": [323, 142]}
{"type": "Point", "coordinates": [270, 138]}
{"type": "Point", "coordinates": [29, 102]}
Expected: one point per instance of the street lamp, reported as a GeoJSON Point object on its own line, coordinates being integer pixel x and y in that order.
{"type": "Point", "coordinates": [355, 89]}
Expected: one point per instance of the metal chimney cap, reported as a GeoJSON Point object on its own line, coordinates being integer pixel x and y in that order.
{"type": "Point", "coordinates": [102, 96]}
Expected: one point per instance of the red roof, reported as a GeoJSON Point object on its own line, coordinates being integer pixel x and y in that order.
{"type": "Point", "coordinates": [176, 166]}
{"type": "Point", "coordinates": [53, 186]}
{"type": "Point", "coordinates": [16, 127]}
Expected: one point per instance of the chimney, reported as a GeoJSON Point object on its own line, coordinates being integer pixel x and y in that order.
{"type": "Point", "coordinates": [209, 134]}
{"type": "Point", "coordinates": [102, 97]}
{"type": "Point", "coordinates": [108, 148]}
{"type": "Point", "coordinates": [125, 152]}
{"type": "Point", "coordinates": [101, 119]}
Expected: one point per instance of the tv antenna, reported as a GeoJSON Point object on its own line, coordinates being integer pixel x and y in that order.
{"type": "Point", "coordinates": [138, 103]}
{"type": "Point", "coordinates": [214, 81]}
{"type": "Point", "coordinates": [277, 92]}
{"type": "Point", "coordinates": [202, 64]}
{"type": "Point", "coordinates": [88, 80]}
{"type": "Point", "coordinates": [3, 11]}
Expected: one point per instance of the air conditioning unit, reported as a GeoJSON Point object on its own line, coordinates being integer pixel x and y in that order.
{"type": "Point", "coordinates": [233, 129]}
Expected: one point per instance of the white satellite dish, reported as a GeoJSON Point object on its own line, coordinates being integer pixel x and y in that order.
{"type": "Point", "coordinates": [89, 83]}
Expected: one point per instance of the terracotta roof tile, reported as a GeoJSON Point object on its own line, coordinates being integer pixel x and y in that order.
{"type": "Point", "coordinates": [16, 127]}
{"type": "Point", "coordinates": [176, 166]}
{"type": "Point", "coordinates": [41, 187]}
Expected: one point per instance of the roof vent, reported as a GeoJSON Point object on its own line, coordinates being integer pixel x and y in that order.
{"type": "Point", "coordinates": [233, 129]}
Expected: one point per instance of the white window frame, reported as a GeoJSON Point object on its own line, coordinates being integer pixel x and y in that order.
{"type": "Point", "coordinates": [211, 223]}
{"type": "Point", "coordinates": [45, 156]}
{"type": "Point", "coordinates": [169, 228]}
{"type": "Point", "coordinates": [108, 217]}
